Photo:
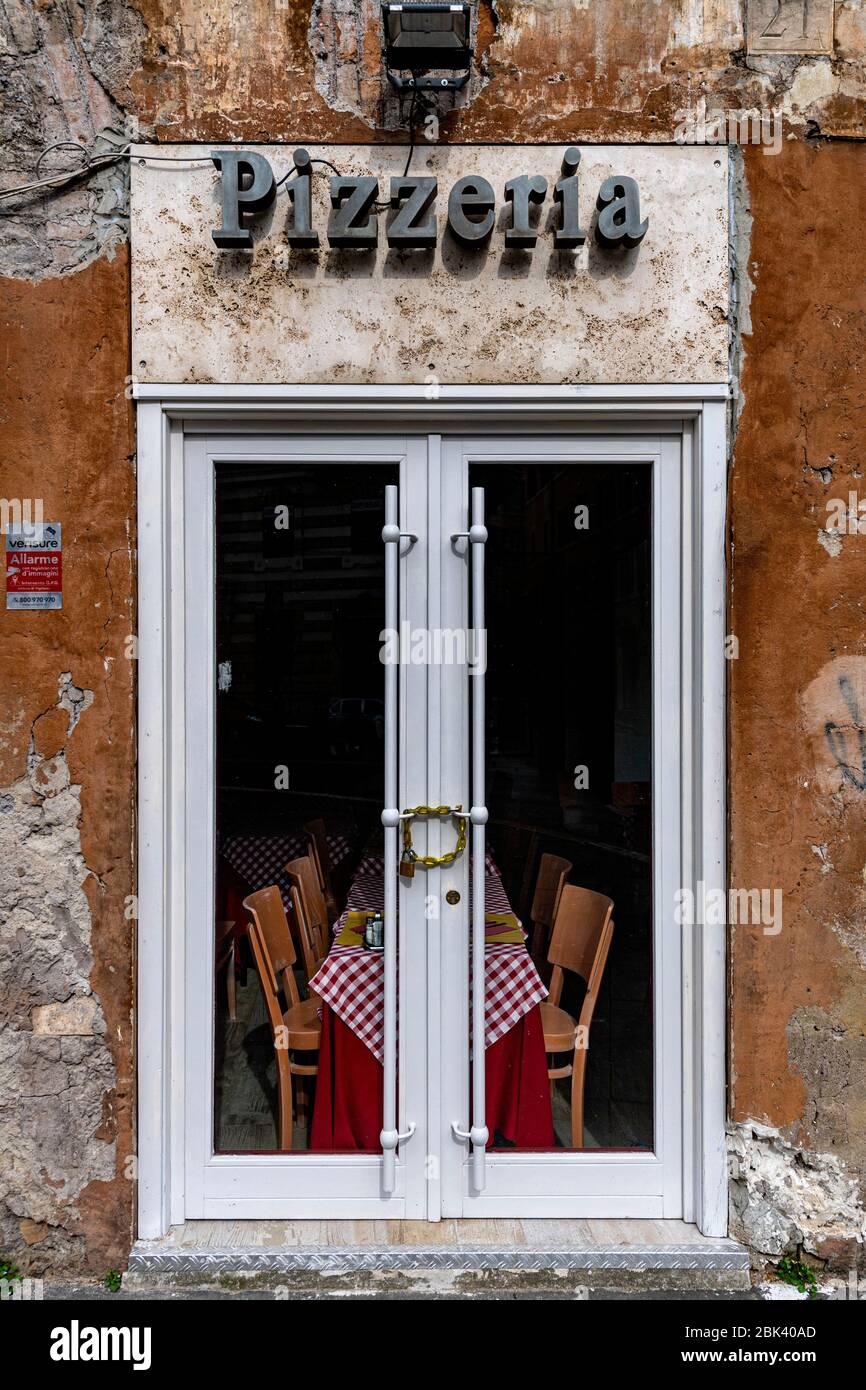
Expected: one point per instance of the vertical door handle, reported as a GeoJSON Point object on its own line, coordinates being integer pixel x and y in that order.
{"type": "Point", "coordinates": [477, 1134]}
{"type": "Point", "coordinates": [390, 1135]}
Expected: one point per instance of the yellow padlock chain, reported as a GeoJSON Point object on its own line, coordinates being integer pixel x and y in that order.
{"type": "Point", "coordinates": [430, 861]}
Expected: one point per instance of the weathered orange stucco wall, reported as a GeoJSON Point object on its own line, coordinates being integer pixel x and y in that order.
{"type": "Point", "coordinates": [554, 70]}
{"type": "Point", "coordinates": [798, 687]}
{"type": "Point", "coordinates": [67, 992]}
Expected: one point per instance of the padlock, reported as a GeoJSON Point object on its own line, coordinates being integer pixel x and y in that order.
{"type": "Point", "coordinates": [407, 864]}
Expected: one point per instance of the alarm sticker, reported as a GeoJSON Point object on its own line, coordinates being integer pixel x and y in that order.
{"type": "Point", "coordinates": [34, 566]}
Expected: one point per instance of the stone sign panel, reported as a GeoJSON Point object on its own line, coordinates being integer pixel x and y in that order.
{"type": "Point", "coordinates": [486, 264]}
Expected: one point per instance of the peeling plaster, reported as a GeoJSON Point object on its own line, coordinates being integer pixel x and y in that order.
{"type": "Point", "coordinates": [831, 541]}
{"type": "Point", "coordinates": [64, 76]}
{"type": "Point", "coordinates": [742, 284]}
{"type": "Point", "coordinates": [56, 1070]}
{"type": "Point", "coordinates": [785, 1198]}
{"type": "Point", "coordinates": [852, 933]}
{"type": "Point", "coordinates": [821, 852]}
{"type": "Point", "coordinates": [833, 708]}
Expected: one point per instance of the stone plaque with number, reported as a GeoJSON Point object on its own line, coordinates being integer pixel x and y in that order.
{"type": "Point", "coordinates": [790, 26]}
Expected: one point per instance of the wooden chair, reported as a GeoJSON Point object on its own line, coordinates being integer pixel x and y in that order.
{"type": "Point", "coordinates": [552, 874]}
{"type": "Point", "coordinates": [321, 856]}
{"type": "Point", "coordinates": [296, 1028]}
{"type": "Point", "coordinates": [580, 942]}
{"type": "Point", "coordinates": [302, 875]}
{"type": "Point", "coordinates": [310, 952]}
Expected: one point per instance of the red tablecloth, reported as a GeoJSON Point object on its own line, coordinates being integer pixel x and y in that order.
{"type": "Point", "coordinates": [351, 980]}
{"type": "Point", "coordinates": [348, 1111]}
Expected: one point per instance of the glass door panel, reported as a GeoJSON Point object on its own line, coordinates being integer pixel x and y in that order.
{"type": "Point", "coordinates": [300, 731]}
{"type": "Point", "coordinates": [299, 1069]}
{"type": "Point", "coordinates": [569, 772]}
{"type": "Point", "coordinates": [581, 746]}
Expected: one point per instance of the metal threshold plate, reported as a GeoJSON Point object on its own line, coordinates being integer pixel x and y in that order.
{"type": "Point", "coordinates": [209, 1249]}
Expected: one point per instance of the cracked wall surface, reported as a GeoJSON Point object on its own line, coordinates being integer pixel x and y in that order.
{"type": "Point", "coordinates": [66, 784]}
{"type": "Point", "coordinates": [64, 72]}
{"type": "Point", "coordinates": [55, 1066]}
{"type": "Point", "coordinates": [99, 72]}
{"type": "Point", "coordinates": [786, 1198]}
{"type": "Point", "coordinates": [798, 687]}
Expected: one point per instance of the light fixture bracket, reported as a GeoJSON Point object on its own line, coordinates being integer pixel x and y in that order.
{"type": "Point", "coordinates": [429, 42]}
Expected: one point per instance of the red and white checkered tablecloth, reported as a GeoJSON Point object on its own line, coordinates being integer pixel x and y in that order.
{"type": "Point", "coordinates": [260, 859]}
{"type": "Point", "coordinates": [351, 980]}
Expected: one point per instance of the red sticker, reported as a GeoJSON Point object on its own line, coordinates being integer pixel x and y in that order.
{"type": "Point", "coordinates": [33, 572]}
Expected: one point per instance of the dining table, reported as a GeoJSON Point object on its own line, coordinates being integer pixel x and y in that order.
{"type": "Point", "coordinates": [260, 860]}
{"type": "Point", "coordinates": [347, 1113]}
{"type": "Point", "coordinates": [249, 862]}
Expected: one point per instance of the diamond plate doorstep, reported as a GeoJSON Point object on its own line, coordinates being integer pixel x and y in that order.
{"type": "Point", "coordinates": [507, 1253]}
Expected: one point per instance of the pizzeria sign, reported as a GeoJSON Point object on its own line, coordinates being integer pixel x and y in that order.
{"type": "Point", "coordinates": [249, 189]}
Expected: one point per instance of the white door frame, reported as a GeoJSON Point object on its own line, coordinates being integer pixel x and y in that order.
{"type": "Point", "coordinates": [697, 414]}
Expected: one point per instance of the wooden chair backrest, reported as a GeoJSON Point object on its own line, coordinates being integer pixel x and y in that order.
{"type": "Point", "coordinates": [319, 844]}
{"type": "Point", "coordinates": [302, 875]}
{"type": "Point", "coordinates": [268, 919]}
{"type": "Point", "coordinates": [313, 852]}
{"type": "Point", "coordinates": [580, 943]}
{"type": "Point", "coordinates": [270, 988]}
{"type": "Point", "coordinates": [309, 943]}
{"type": "Point", "coordinates": [552, 873]}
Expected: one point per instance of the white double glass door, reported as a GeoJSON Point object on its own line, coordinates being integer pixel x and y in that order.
{"type": "Point", "coordinates": [331, 676]}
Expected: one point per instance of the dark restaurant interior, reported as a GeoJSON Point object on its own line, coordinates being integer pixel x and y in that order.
{"type": "Point", "coordinates": [299, 751]}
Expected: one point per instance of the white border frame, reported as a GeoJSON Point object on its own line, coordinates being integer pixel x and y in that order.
{"type": "Point", "coordinates": [165, 412]}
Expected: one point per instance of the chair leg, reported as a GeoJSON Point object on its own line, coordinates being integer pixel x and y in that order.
{"type": "Point", "coordinates": [231, 989]}
{"type": "Point", "coordinates": [302, 1108]}
{"type": "Point", "coordinates": [577, 1079]}
{"type": "Point", "coordinates": [284, 1100]}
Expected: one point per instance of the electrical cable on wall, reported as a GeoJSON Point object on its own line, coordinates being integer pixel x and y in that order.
{"type": "Point", "coordinates": [95, 161]}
